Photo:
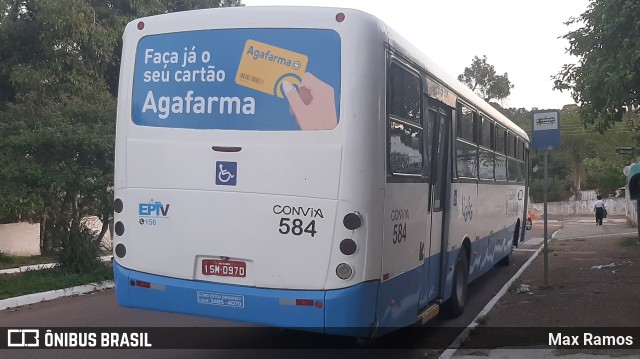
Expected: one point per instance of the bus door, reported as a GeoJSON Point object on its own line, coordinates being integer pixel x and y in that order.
{"type": "Point", "coordinates": [438, 120]}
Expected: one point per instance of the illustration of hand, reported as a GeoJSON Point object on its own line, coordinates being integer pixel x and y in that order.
{"type": "Point", "coordinates": [314, 105]}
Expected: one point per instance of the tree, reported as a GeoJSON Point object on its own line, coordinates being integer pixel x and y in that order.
{"type": "Point", "coordinates": [56, 127]}
{"type": "Point", "coordinates": [557, 189]}
{"type": "Point", "coordinates": [520, 116]}
{"type": "Point", "coordinates": [586, 158]}
{"type": "Point", "coordinates": [605, 176]}
{"type": "Point", "coordinates": [605, 81]}
{"type": "Point", "coordinates": [577, 143]}
{"type": "Point", "coordinates": [481, 77]}
{"type": "Point", "coordinates": [604, 169]}
{"type": "Point", "coordinates": [59, 62]}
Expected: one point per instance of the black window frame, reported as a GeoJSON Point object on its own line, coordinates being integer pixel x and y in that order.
{"type": "Point", "coordinates": [466, 141]}
{"type": "Point", "coordinates": [396, 176]}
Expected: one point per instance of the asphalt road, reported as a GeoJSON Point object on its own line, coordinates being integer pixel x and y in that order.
{"type": "Point", "coordinates": [100, 310]}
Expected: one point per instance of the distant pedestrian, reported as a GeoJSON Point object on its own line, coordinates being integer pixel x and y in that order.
{"type": "Point", "coordinates": [599, 208]}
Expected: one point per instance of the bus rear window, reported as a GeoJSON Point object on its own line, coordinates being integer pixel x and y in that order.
{"type": "Point", "coordinates": [238, 79]}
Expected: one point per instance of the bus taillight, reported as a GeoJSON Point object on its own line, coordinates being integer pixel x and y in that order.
{"type": "Point", "coordinates": [119, 227]}
{"type": "Point", "coordinates": [348, 246]}
{"type": "Point", "coordinates": [304, 302]}
{"type": "Point", "coordinates": [143, 284]}
{"type": "Point", "coordinates": [121, 250]}
{"type": "Point", "coordinates": [118, 206]}
{"type": "Point", "coordinates": [352, 221]}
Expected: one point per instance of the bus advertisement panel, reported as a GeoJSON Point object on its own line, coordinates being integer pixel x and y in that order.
{"type": "Point", "coordinates": [238, 79]}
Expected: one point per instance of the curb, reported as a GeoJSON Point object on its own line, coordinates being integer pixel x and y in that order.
{"type": "Point", "coordinates": [578, 220]}
{"type": "Point", "coordinates": [622, 235]}
{"type": "Point", "coordinates": [603, 221]}
{"type": "Point", "coordinates": [53, 294]}
{"type": "Point", "coordinates": [40, 266]}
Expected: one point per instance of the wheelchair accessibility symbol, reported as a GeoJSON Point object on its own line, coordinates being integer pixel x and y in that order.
{"type": "Point", "coordinates": [226, 173]}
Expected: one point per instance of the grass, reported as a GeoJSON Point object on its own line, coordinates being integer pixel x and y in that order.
{"type": "Point", "coordinates": [13, 285]}
{"type": "Point", "coordinates": [549, 250]}
{"type": "Point", "coordinates": [629, 242]}
{"type": "Point", "coordinates": [8, 261]}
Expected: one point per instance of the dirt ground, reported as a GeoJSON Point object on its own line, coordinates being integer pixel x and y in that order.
{"type": "Point", "coordinates": [580, 294]}
{"type": "Point", "coordinates": [592, 283]}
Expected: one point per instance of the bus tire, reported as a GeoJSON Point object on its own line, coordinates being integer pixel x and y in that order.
{"type": "Point", "coordinates": [454, 306]}
{"type": "Point", "coordinates": [516, 234]}
{"type": "Point", "coordinates": [505, 261]}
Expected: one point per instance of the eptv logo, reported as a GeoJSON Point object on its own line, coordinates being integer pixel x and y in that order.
{"type": "Point", "coordinates": [23, 338]}
{"type": "Point", "coordinates": [153, 208]}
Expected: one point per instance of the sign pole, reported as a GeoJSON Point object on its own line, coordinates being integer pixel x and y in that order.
{"type": "Point", "coordinates": [546, 240]}
{"type": "Point", "coordinates": [545, 136]}
{"type": "Point", "coordinates": [638, 217]}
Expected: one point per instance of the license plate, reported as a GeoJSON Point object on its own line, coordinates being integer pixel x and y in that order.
{"type": "Point", "coordinates": [224, 268]}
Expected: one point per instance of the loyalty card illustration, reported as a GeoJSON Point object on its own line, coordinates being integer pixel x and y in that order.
{"type": "Point", "coordinates": [281, 73]}
{"type": "Point", "coordinates": [264, 67]}
{"type": "Point", "coordinates": [238, 79]}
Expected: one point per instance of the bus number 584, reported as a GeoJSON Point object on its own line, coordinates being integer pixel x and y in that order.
{"type": "Point", "coordinates": [297, 226]}
{"type": "Point", "coordinates": [399, 232]}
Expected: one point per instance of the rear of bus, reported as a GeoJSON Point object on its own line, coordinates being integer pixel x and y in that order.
{"type": "Point", "coordinates": [243, 181]}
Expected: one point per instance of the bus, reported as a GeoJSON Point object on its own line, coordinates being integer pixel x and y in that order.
{"type": "Point", "coordinates": [307, 168]}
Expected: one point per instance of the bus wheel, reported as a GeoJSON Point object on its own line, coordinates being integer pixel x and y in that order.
{"type": "Point", "coordinates": [455, 305]}
{"type": "Point", "coordinates": [516, 234]}
{"type": "Point", "coordinates": [505, 261]}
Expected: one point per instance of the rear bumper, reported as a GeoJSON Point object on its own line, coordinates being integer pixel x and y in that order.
{"type": "Point", "coordinates": [349, 311]}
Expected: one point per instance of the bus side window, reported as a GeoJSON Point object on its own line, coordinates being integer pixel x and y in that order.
{"type": "Point", "coordinates": [466, 147]}
{"type": "Point", "coordinates": [500, 160]}
{"type": "Point", "coordinates": [405, 149]}
{"type": "Point", "coordinates": [512, 162]}
{"type": "Point", "coordinates": [486, 155]}
{"type": "Point", "coordinates": [467, 124]}
{"type": "Point", "coordinates": [406, 145]}
{"type": "Point", "coordinates": [521, 162]}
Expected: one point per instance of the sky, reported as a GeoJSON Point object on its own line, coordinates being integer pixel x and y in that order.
{"type": "Point", "coordinates": [521, 38]}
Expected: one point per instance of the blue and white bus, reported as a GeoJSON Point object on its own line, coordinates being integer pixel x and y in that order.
{"type": "Point", "coordinates": [305, 168]}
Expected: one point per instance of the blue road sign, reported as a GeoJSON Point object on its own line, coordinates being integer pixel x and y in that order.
{"type": "Point", "coordinates": [546, 130]}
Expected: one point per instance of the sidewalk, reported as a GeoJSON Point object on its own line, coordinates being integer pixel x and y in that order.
{"type": "Point", "coordinates": [580, 219]}
{"type": "Point", "coordinates": [593, 283]}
